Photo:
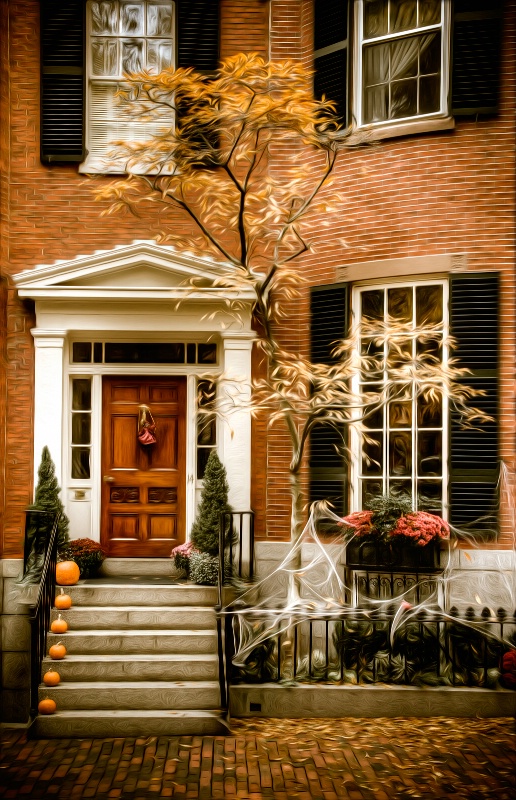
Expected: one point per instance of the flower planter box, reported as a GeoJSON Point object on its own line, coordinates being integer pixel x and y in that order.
{"type": "Point", "coordinates": [396, 556]}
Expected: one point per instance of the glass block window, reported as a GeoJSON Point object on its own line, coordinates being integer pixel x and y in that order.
{"type": "Point", "coordinates": [81, 429]}
{"type": "Point", "coordinates": [402, 60]}
{"type": "Point", "coordinates": [403, 446]}
{"type": "Point", "coordinates": [206, 424]}
{"type": "Point", "coordinates": [124, 36]}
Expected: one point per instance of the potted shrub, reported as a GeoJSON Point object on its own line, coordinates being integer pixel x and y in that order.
{"type": "Point", "coordinates": [87, 554]}
{"type": "Point", "coordinates": [390, 535]}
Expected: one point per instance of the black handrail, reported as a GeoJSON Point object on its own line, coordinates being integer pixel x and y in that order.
{"type": "Point", "coordinates": [39, 613]}
{"type": "Point", "coordinates": [232, 548]}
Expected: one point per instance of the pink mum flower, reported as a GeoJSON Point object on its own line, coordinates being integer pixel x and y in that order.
{"type": "Point", "coordinates": [421, 527]}
{"type": "Point", "coordinates": [359, 522]}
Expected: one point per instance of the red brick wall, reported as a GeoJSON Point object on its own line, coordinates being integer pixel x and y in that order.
{"type": "Point", "coordinates": [447, 192]}
{"type": "Point", "coordinates": [433, 193]}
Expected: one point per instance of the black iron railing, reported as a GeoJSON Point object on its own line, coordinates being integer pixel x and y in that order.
{"type": "Point", "coordinates": [236, 560]}
{"type": "Point", "coordinates": [39, 613]}
{"type": "Point", "coordinates": [364, 646]}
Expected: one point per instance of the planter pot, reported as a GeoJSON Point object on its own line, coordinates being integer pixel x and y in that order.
{"type": "Point", "coordinates": [396, 556]}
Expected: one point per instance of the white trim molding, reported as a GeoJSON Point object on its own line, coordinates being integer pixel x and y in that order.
{"type": "Point", "coordinates": [139, 292]}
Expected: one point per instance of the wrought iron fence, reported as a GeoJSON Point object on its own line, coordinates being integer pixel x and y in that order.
{"type": "Point", "coordinates": [39, 613]}
{"type": "Point", "coordinates": [364, 646]}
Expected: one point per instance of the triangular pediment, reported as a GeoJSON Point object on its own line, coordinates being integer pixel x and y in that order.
{"type": "Point", "coordinates": [137, 268]}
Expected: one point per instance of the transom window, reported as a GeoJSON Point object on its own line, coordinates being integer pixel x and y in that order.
{"type": "Point", "coordinates": [123, 36]}
{"type": "Point", "coordinates": [401, 63]}
{"type": "Point", "coordinates": [403, 446]}
{"type": "Point", "coordinates": [144, 353]}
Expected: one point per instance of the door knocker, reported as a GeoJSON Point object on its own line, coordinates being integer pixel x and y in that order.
{"type": "Point", "coordinates": [146, 426]}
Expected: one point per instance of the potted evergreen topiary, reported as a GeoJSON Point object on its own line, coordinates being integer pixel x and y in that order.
{"type": "Point", "coordinates": [205, 530]}
{"type": "Point", "coordinates": [47, 498]}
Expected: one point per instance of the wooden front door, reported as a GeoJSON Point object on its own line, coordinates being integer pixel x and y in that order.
{"type": "Point", "coordinates": [143, 486]}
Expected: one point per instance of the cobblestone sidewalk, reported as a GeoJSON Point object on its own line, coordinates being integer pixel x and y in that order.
{"type": "Point", "coordinates": [301, 759]}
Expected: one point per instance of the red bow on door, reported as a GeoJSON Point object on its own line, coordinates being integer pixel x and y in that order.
{"type": "Point", "coordinates": [146, 427]}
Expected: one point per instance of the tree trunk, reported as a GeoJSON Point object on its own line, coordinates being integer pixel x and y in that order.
{"type": "Point", "coordinates": [296, 529]}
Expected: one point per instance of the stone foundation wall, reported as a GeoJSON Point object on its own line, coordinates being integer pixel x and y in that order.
{"type": "Point", "coordinates": [15, 642]}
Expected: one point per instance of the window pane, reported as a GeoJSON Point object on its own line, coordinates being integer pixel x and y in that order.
{"type": "Point", "coordinates": [159, 55]}
{"type": "Point", "coordinates": [131, 18]}
{"type": "Point", "coordinates": [375, 18]}
{"type": "Point", "coordinates": [80, 462]}
{"type": "Point", "coordinates": [81, 428]}
{"type": "Point", "coordinates": [191, 357]}
{"type": "Point", "coordinates": [429, 305]}
{"type": "Point", "coordinates": [104, 57]}
{"type": "Point", "coordinates": [429, 12]}
{"type": "Point", "coordinates": [132, 55]}
{"type": "Point", "coordinates": [400, 414]}
{"type": "Point", "coordinates": [81, 394]}
{"type": "Point", "coordinates": [403, 15]}
{"type": "Point", "coordinates": [207, 353]}
{"type": "Point", "coordinates": [373, 360]}
{"type": "Point", "coordinates": [159, 20]}
{"type": "Point", "coordinates": [401, 487]}
{"type": "Point", "coordinates": [104, 18]}
{"type": "Point", "coordinates": [372, 305]}
{"type": "Point", "coordinates": [400, 453]}
{"type": "Point", "coordinates": [429, 453]}
{"type": "Point", "coordinates": [403, 99]}
{"type": "Point", "coordinates": [375, 419]}
{"type": "Point", "coordinates": [97, 352]}
{"type": "Point", "coordinates": [206, 431]}
{"type": "Point", "coordinates": [81, 352]}
{"type": "Point", "coordinates": [203, 454]}
{"type": "Point", "coordinates": [376, 103]}
{"type": "Point", "coordinates": [372, 455]}
{"type": "Point", "coordinates": [144, 353]}
{"type": "Point", "coordinates": [400, 303]}
{"type": "Point", "coordinates": [376, 64]}
{"type": "Point", "coordinates": [430, 496]}
{"type": "Point", "coordinates": [429, 94]}
{"type": "Point", "coordinates": [370, 489]}
{"type": "Point", "coordinates": [429, 413]}
{"type": "Point", "coordinates": [430, 58]}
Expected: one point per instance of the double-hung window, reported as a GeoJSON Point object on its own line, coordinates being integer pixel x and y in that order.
{"type": "Point", "coordinates": [389, 63]}
{"type": "Point", "coordinates": [123, 36]}
{"type": "Point", "coordinates": [401, 66]}
{"type": "Point", "coordinates": [403, 444]}
{"type": "Point", "coordinates": [86, 47]}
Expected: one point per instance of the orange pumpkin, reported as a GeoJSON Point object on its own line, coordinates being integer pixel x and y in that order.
{"type": "Point", "coordinates": [57, 651]}
{"type": "Point", "coordinates": [67, 573]}
{"type": "Point", "coordinates": [63, 601]}
{"type": "Point", "coordinates": [59, 625]}
{"type": "Point", "coordinates": [46, 706]}
{"type": "Point", "coordinates": [51, 677]}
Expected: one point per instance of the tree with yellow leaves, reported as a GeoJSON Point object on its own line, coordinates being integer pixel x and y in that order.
{"type": "Point", "coordinates": [251, 157]}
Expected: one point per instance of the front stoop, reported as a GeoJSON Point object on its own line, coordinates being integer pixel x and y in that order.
{"type": "Point", "coordinates": [141, 661]}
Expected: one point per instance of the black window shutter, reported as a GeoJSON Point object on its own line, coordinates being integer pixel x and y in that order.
{"type": "Point", "coordinates": [329, 324]}
{"type": "Point", "coordinates": [331, 36]}
{"type": "Point", "coordinates": [198, 34]}
{"type": "Point", "coordinates": [474, 454]}
{"type": "Point", "coordinates": [62, 80]}
{"type": "Point", "coordinates": [477, 36]}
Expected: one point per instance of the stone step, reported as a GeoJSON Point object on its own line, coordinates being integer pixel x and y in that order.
{"type": "Point", "coordinates": [128, 723]}
{"type": "Point", "coordinates": [147, 695]}
{"type": "Point", "coordinates": [113, 594]}
{"type": "Point", "coordinates": [148, 617]}
{"type": "Point", "coordinates": [134, 567]}
{"type": "Point", "coordinates": [136, 641]}
{"type": "Point", "coordinates": [135, 667]}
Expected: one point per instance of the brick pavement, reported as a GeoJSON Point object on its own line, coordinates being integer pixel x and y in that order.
{"type": "Point", "coordinates": [302, 759]}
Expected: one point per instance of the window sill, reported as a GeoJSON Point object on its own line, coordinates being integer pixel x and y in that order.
{"type": "Point", "coordinates": [105, 166]}
{"type": "Point", "coordinates": [390, 131]}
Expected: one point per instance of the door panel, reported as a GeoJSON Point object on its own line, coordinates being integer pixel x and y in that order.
{"type": "Point", "coordinates": [143, 487]}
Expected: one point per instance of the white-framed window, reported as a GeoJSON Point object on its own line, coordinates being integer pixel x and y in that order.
{"type": "Point", "coordinates": [401, 60]}
{"type": "Point", "coordinates": [122, 36]}
{"type": "Point", "coordinates": [206, 424]}
{"type": "Point", "coordinates": [81, 428]}
{"type": "Point", "coordinates": [404, 444]}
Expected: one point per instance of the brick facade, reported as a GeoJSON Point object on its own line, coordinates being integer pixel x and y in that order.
{"type": "Point", "coordinates": [434, 193]}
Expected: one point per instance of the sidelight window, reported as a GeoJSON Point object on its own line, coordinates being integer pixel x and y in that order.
{"type": "Point", "coordinates": [81, 429]}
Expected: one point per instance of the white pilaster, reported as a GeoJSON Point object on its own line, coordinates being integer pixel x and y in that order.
{"type": "Point", "coordinates": [48, 397]}
{"type": "Point", "coordinates": [235, 427]}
